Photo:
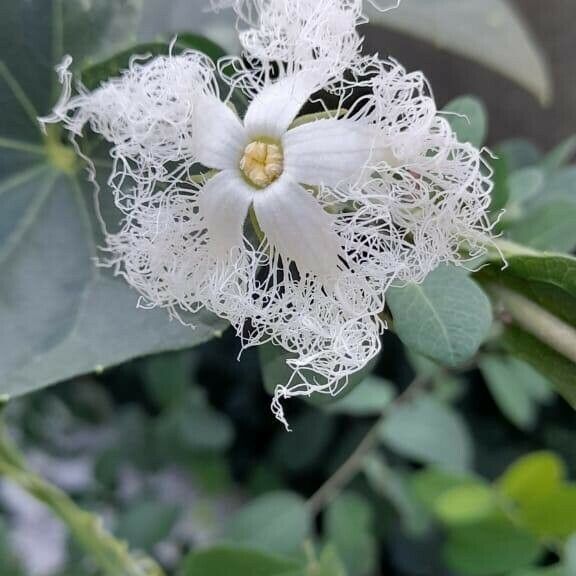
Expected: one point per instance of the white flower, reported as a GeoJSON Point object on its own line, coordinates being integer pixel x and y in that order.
{"type": "Point", "coordinates": [292, 228]}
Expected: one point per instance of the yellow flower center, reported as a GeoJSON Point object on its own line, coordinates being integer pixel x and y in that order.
{"type": "Point", "coordinates": [262, 163]}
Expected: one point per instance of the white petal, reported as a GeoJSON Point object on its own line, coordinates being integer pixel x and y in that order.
{"type": "Point", "coordinates": [326, 151]}
{"type": "Point", "coordinates": [219, 136]}
{"type": "Point", "coordinates": [224, 202]}
{"type": "Point", "coordinates": [297, 227]}
{"type": "Point", "coordinates": [274, 109]}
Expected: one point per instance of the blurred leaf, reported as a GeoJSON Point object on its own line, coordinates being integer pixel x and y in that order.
{"type": "Point", "coordinates": [467, 116]}
{"type": "Point", "coordinates": [167, 378]}
{"type": "Point", "coordinates": [369, 398]}
{"type": "Point", "coordinates": [392, 485]}
{"type": "Point", "coordinates": [61, 315]}
{"type": "Point", "coordinates": [430, 484]}
{"type": "Point", "coordinates": [225, 561]}
{"type": "Point", "coordinates": [517, 388]}
{"type": "Point", "coordinates": [545, 503]}
{"type": "Point", "coordinates": [561, 155]}
{"type": "Point", "coordinates": [549, 227]}
{"type": "Point", "coordinates": [194, 426]}
{"type": "Point", "coordinates": [465, 504]}
{"type": "Point", "coordinates": [146, 523]}
{"type": "Point", "coordinates": [532, 477]}
{"type": "Point", "coordinates": [428, 431]}
{"type": "Point", "coordinates": [329, 564]}
{"type": "Point", "coordinates": [275, 371]}
{"type": "Point", "coordinates": [525, 183]}
{"type": "Point", "coordinates": [560, 371]}
{"type": "Point", "coordinates": [305, 445]}
{"type": "Point", "coordinates": [490, 547]}
{"type": "Point", "coordinates": [501, 190]}
{"type": "Point", "coordinates": [518, 153]}
{"type": "Point", "coordinates": [93, 75]}
{"type": "Point", "coordinates": [277, 522]}
{"type": "Point", "coordinates": [447, 317]}
{"type": "Point", "coordinates": [570, 555]}
{"type": "Point", "coordinates": [349, 527]}
{"type": "Point", "coordinates": [554, 515]}
{"type": "Point", "coordinates": [490, 32]}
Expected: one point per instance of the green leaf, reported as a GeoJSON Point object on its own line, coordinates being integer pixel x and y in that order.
{"type": "Point", "coordinates": [349, 527]}
{"type": "Point", "coordinates": [61, 315]}
{"type": "Point", "coordinates": [556, 269]}
{"type": "Point", "coordinates": [466, 504]}
{"type": "Point", "coordinates": [146, 523]}
{"type": "Point", "coordinates": [501, 189]}
{"type": "Point", "coordinates": [490, 32]}
{"type": "Point", "coordinates": [490, 547]}
{"type": "Point", "coordinates": [277, 522]}
{"type": "Point", "coordinates": [545, 503]}
{"type": "Point", "coordinates": [548, 227]}
{"type": "Point", "coordinates": [561, 155]}
{"type": "Point", "coordinates": [446, 318]}
{"type": "Point", "coordinates": [95, 74]}
{"type": "Point", "coordinates": [518, 153]}
{"type": "Point", "coordinates": [467, 116]}
{"type": "Point", "coordinates": [306, 444]}
{"type": "Point", "coordinates": [224, 561]}
{"type": "Point", "coordinates": [560, 371]}
{"type": "Point", "coordinates": [392, 485]}
{"type": "Point", "coordinates": [553, 516]}
{"type": "Point", "coordinates": [430, 484]}
{"type": "Point", "coordinates": [369, 398]}
{"type": "Point", "coordinates": [428, 431]}
{"type": "Point", "coordinates": [329, 564]}
{"type": "Point", "coordinates": [167, 378]}
{"type": "Point", "coordinates": [570, 555]}
{"type": "Point", "coordinates": [275, 371]}
{"type": "Point", "coordinates": [517, 388]}
{"type": "Point", "coordinates": [525, 183]}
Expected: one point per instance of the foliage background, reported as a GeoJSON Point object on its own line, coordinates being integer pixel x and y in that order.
{"type": "Point", "coordinates": [458, 466]}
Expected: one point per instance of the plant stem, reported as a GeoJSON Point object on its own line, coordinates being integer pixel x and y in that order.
{"type": "Point", "coordinates": [353, 464]}
{"type": "Point", "coordinates": [539, 322]}
{"type": "Point", "coordinates": [109, 554]}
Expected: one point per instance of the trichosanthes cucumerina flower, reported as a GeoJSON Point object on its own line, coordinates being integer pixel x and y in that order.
{"type": "Point", "coordinates": [290, 225]}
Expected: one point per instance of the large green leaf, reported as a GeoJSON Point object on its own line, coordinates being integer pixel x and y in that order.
{"type": "Point", "coordinates": [277, 522]}
{"type": "Point", "coordinates": [60, 315]}
{"type": "Point", "coordinates": [348, 525]}
{"type": "Point", "coordinates": [517, 388]}
{"type": "Point", "coordinates": [490, 32]}
{"type": "Point", "coordinates": [446, 317]}
{"type": "Point", "coordinates": [490, 547]}
{"type": "Point", "coordinates": [224, 561]}
{"type": "Point", "coordinates": [426, 430]}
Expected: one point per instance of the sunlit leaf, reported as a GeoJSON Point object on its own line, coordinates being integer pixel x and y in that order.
{"type": "Point", "coordinates": [467, 116]}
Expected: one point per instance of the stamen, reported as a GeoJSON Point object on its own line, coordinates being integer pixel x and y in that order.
{"type": "Point", "coordinates": [262, 163]}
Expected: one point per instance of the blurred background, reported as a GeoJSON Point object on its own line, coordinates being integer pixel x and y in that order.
{"type": "Point", "coordinates": [179, 451]}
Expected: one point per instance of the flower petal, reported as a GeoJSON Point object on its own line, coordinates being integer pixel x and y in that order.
{"type": "Point", "coordinates": [219, 136]}
{"type": "Point", "coordinates": [296, 225]}
{"type": "Point", "coordinates": [223, 203]}
{"type": "Point", "coordinates": [327, 151]}
{"type": "Point", "coordinates": [275, 107]}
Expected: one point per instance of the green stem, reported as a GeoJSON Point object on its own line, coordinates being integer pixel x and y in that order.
{"type": "Point", "coordinates": [109, 554]}
{"type": "Point", "coordinates": [539, 322]}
